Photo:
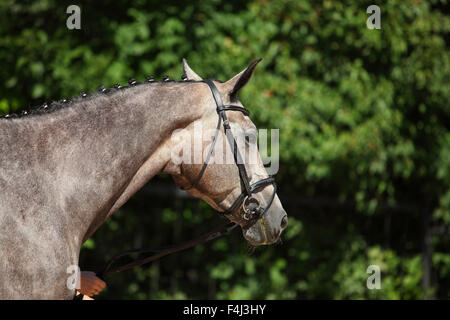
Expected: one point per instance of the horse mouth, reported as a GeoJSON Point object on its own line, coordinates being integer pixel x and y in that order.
{"type": "Point", "coordinates": [260, 234]}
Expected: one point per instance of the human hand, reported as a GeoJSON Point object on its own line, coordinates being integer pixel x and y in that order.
{"type": "Point", "coordinates": [90, 283]}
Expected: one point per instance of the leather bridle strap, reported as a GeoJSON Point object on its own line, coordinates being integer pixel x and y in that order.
{"type": "Point", "coordinates": [248, 189]}
{"type": "Point", "coordinates": [208, 156]}
{"type": "Point", "coordinates": [226, 125]}
{"type": "Point", "coordinates": [221, 108]}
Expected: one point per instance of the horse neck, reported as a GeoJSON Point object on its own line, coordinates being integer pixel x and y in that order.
{"type": "Point", "coordinates": [95, 149]}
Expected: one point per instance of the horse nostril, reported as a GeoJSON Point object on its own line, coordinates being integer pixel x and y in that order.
{"type": "Point", "coordinates": [284, 222]}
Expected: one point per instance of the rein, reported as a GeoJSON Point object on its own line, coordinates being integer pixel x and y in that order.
{"type": "Point", "coordinates": [160, 252]}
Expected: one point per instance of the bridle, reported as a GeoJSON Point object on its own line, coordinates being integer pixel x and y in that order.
{"type": "Point", "coordinates": [251, 208]}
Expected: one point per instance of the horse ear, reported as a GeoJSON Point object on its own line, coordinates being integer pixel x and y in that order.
{"type": "Point", "coordinates": [238, 81]}
{"type": "Point", "coordinates": [189, 73]}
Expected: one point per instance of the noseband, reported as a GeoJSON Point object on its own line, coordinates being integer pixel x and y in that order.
{"type": "Point", "coordinates": [251, 207]}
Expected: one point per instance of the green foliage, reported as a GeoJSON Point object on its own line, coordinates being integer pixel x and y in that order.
{"type": "Point", "coordinates": [364, 140]}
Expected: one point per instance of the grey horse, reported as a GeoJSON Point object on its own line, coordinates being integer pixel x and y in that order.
{"type": "Point", "coordinates": [68, 167]}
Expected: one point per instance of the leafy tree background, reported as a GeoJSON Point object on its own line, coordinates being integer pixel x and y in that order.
{"type": "Point", "coordinates": [364, 123]}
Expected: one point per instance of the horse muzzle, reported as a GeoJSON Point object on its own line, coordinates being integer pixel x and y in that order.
{"type": "Point", "coordinates": [267, 229]}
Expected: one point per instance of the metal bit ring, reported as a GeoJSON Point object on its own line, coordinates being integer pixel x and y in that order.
{"type": "Point", "coordinates": [248, 214]}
